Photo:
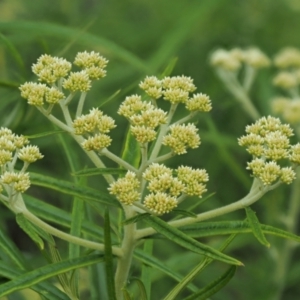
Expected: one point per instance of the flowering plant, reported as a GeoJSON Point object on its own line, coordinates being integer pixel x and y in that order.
{"type": "Point", "coordinates": [140, 203]}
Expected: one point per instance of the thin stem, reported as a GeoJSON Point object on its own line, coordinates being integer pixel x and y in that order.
{"type": "Point", "coordinates": [80, 104]}
{"type": "Point", "coordinates": [162, 158]}
{"type": "Point", "coordinates": [118, 160]}
{"type": "Point", "coordinates": [67, 115]}
{"type": "Point", "coordinates": [239, 92]}
{"type": "Point", "coordinates": [124, 262]}
{"type": "Point", "coordinates": [163, 129]}
{"type": "Point", "coordinates": [250, 73]}
{"type": "Point", "coordinates": [68, 237]}
{"type": "Point", "coordinates": [255, 194]}
{"type": "Point", "coordinates": [185, 119]}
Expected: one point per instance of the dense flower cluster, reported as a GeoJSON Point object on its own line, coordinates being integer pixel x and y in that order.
{"type": "Point", "coordinates": [14, 146]}
{"type": "Point", "coordinates": [94, 126]}
{"type": "Point", "coordinates": [267, 140]}
{"type": "Point", "coordinates": [233, 60]}
{"type": "Point", "coordinates": [55, 74]}
{"type": "Point", "coordinates": [288, 79]}
{"type": "Point", "coordinates": [164, 188]}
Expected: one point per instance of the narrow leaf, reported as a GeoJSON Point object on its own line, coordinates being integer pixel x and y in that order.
{"type": "Point", "coordinates": [109, 266]}
{"type": "Point", "coordinates": [131, 150]}
{"type": "Point", "coordinates": [214, 286]}
{"type": "Point", "coordinates": [183, 212]}
{"type": "Point", "coordinates": [187, 242]}
{"type": "Point", "coordinates": [141, 288]}
{"type": "Point", "coordinates": [126, 295]}
{"type": "Point", "coordinates": [28, 229]}
{"type": "Point", "coordinates": [255, 226]}
{"type": "Point", "coordinates": [38, 275]}
{"type": "Point", "coordinates": [73, 189]}
{"type": "Point", "coordinates": [146, 271]}
{"type": "Point", "coordinates": [170, 67]}
{"type": "Point", "coordinates": [229, 227]}
{"type": "Point", "coordinates": [43, 134]}
{"type": "Point", "coordinates": [158, 265]}
{"type": "Point", "coordinates": [99, 171]}
{"type": "Point", "coordinates": [136, 218]}
{"type": "Point", "coordinates": [49, 291]}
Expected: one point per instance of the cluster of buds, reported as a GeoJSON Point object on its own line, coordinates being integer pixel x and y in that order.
{"type": "Point", "coordinates": [55, 76]}
{"type": "Point", "coordinates": [234, 59]}
{"type": "Point", "coordinates": [267, 140]}
{"type": "Point", "coordinates": [145, 117]}
{"type": "Point", "coordinates": [13, 147]}
{"type": "Point", "coordinates": [94, 126]}
{"type": "Point", "coordinates": [164, 189]}
{"type": "Point", "coordinates": [288, 79]}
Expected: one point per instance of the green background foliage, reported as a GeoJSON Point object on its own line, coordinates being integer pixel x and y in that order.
{"type": "Point", "coordinates": [142, 38]}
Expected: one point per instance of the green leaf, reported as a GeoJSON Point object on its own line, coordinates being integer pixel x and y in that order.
{"type": "Point", "coordinates": [38, 275]}
{"type": "Point", "coordinates": [86, 39]}
{"type": "Point", "coordinates": [99, 171]}
{"type": "Point", "coordinates": [156, 264]}
{"type": "Point", "coordinates": [57, 216]}
{"type": "Point", "coordinates": [193, 273]}
{"type": "Point", "coordinates": [183, 212]}
{"type": "Point", "coordinates": [28, 228]}
{"type": "Point", "coordinates": [146, 271]}
{"type": "Point", "coordinates": [43, 134]}
{"type": "Point", "coordinates": [136, 218]}
{"type": "Point", "coordinates": [73, 189]}
{"type": "Point", "coordinates": [131, 150]}
{"type": "Point", "coordinates": [9, 84]}
{"type": "Point", "coordinates": [255, 226]}
{"type": "Point", "coordinates": [187, 242]}
{"type": "Point", "coordinates": [109, 264]}
{"type": "Point", "coordinates": [13, 51]}
{"type": "Point", "coordinates": [214, 286]}
{"type": "Point", "coordinates": [49, 291]}
{"type": "Point", "coordinates": [143, 295]}
{"type": "Point", "coordinates": [170, 67]}
{"type": "Point", "coordinates": [112, 97]}
{"type": "Point", "coordinates": [204, 229]}
{"type": "Point", "coordinates": [10, 249]}
{"type": "Point", "coordinates": [126, 295]}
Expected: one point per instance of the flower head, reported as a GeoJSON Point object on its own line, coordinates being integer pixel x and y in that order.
{"type": "Point", "coordinates": [152, 86]}
{"type": "Point", "coordinates": [126, 189]}
{"type": "Point", "coordinates": [287, 57]}
{"type": "Point", "coordinates": [160, 203]}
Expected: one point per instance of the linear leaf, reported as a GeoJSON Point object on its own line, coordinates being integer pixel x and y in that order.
{"type": "Point", "coordinates": [131, 150]}
{"type": "Point", "coordinates": [195, 271]}
{"type": "Point", "coordinates": [229, 227]}
{"type": "Point", "coordinates": [143, 294]}
{"type": "Point", "coordinates": [170, 67]}
{"type": "Point", "coordinates": [10, 249]}
{"type": "Point", "coordinates": [28, 229]}
{"type": "Point", "coordinates": [33, 277]}
{"type": "Point", "coordinates": [156, 264]}
{"type": "Point", "coordinates": [146, 270]}
{"type": "Point", "coordinates": [49, 291]}
{"type": "Point", "coordinates": [255, 226]}
{"type": "Point", "coordinates": [58, 216]}
{"type": "Point", "coordinates": [187, 242]}
{"type": "Point", "coordinates": [109, 264]}
{"type": "Point", "coordinates": [136, 218]}
{"type": "Point", "coordinates": [43, 134]}
{"type": "Point", "coordinates": [73, 189]}
{"type": "Point", "coordinates": [99, 171]}
{"type": "Point", "coordinates": [84, 39]}
{"type": "Point", "coordinates": [214, 286]}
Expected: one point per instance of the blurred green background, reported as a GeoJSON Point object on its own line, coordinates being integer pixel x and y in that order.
{"type": "Point", "coordinates": [142, 38]}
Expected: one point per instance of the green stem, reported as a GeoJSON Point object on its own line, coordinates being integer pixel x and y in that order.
{"type": "Point", "coordinates": [124, 262]}
{"type": "Point", "coordinates": [163, 129]}
{"type": "Point", "coordinates": [256, 192]}
{"type": "Point", "coordinates": [68, 237]}
{"type": "Point", "coordinates": [80, 104]}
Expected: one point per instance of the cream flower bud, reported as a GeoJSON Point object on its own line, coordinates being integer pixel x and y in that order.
{"type": "Point", "coordinates": [182, 137]}
{"type": "Point", "coordinates": [152, 86]}
{"type": "Point", "coordinates": [199, 102]}
{"type": "Point", "coordinates": [30, 154]}
{"type": "Point", "coordinates": [155, 170]}
{"type": "Point", "coordinates": [19, 181]}
{"type": "Point", "coordinates": [226, 60]}
{"type": "Point", "coordinates": [77, 81]}
{"type": "Point", "coordinates": [291, 113]}
{"type": "Point", "coordinates": [131, 105]}
{"type": "Point", "coordinates": [287, 175]}
{"type": "Point", "coordinates": [5, 157]}
{"type": "Point", "coordinates": [97, 142]}
{"type": "Point", "coordinates": [285, 80]}
{"type": "Point", "coordinates": [49, 69]}
{"type": "Point", "coordinates": [183, 83]}
{"type": "Point", "coordinates": [256, 58]}
{"type": "Point", "coordinates": [143, 134]}
{"type": "Point", "coordinates": [288, 57]}
{"type": "Point", "coordinates": [295, 154]}
{"type": "Point", "coordinates": [126, 189]}
{"type": "Point", "coordinates": [53, 95]}
{"type": "Point", "coordinates": [279, 104]}
{"type": "Point", "coordinates": [34, 93]}
{"type": "Point", "coordinates": [160, 203]}
{"type": "Point", "coordinates": [151, 117]}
